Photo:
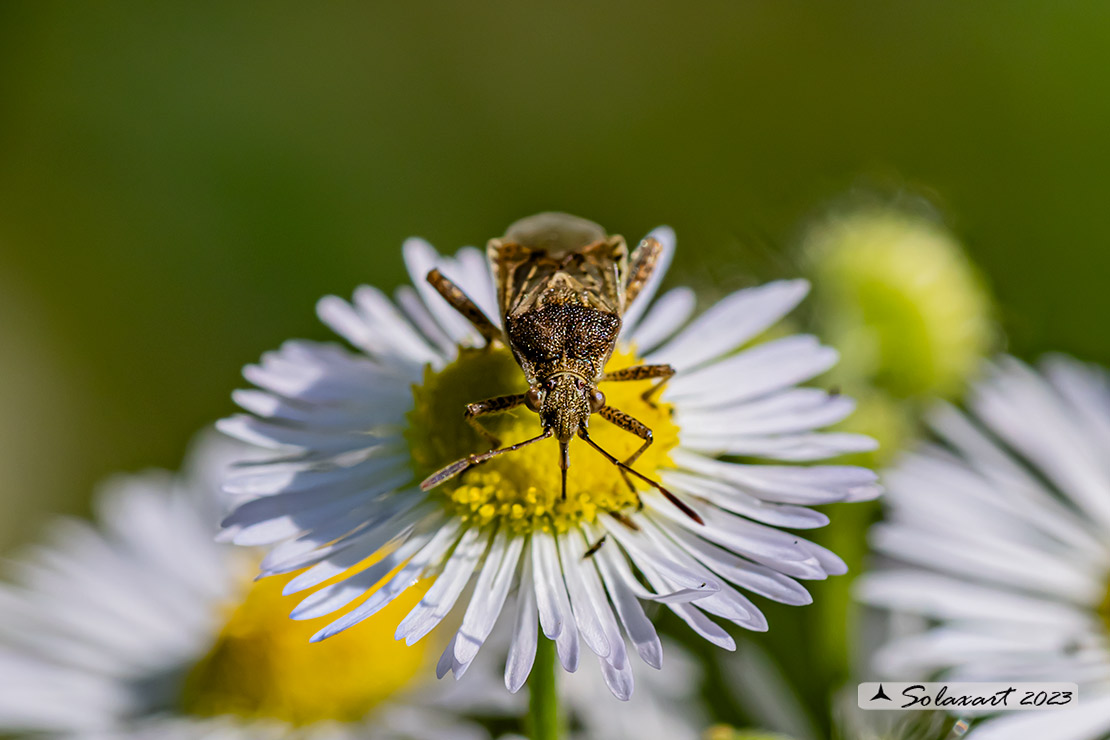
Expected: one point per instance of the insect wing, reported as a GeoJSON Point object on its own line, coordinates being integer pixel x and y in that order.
{"type": "Point", "coordinates": [595, 274]}
{"type": "Point", "coordinates": [600, 269]}
{"type": "Point", "coordinates": [514, 267]}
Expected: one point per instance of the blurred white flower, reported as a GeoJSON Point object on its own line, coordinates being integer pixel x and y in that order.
{"type": "Point", "coordinates": [142, 626]}
{"type": "Point", "coordinates": [1003, 526]}
{"type": "Point", "coordinates": [357, 431]}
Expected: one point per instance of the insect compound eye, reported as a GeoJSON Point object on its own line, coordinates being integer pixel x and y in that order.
{"type": "Point", "coordinates": [549, 384]}
{"type": "Point", "coordinates": [597, 400]}
{"type": "Point", "coordinates": [534, 398]}
{"type": "Point", "coordinates": [580, 384]}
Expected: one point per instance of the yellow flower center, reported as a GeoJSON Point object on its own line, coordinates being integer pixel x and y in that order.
{"type": "Point", "coordinates": [263, 666]}
{"type": "Point", "coordinates": [522, 489]}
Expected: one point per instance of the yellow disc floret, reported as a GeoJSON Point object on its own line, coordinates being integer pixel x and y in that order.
{"type": "Point", "coordinates": [522, 489]}
{"type": "Point", "coordinates": [262, 664]}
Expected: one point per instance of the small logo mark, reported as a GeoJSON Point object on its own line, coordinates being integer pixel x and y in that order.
{"type": "Point", "coordinates": [880, 694]}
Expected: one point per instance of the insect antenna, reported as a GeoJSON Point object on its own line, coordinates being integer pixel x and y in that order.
{"type": "Point", "coordinates": [450, 471]}
{"type": "Point", "coordinates": [657, 486]}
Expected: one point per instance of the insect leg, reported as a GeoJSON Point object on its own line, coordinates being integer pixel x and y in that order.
{"type": "Point", "coordinates": [640, 266]}
{"type": "Point", "coordinates": [490, 406]}
{"type": "Point", "coordinates": [623, 519]}
{"type": "Point", "coordinates": [682, 506]}
{"type": "Point", "coordinates": [450, 471]}
{"type": "Point", "coordinates": [643, 372]}
{"type": "Point", "coordinates": [630, 424]}
{"type": "Point", "coordinates": [595, 547]}
{"type": "Point", "coordinates": [461, 302]}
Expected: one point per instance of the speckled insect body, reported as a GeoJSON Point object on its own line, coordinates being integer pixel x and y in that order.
{"type": "Point", "coordinates": [563, 285]}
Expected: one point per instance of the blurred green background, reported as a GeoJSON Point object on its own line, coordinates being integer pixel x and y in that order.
{"type": "Point", "coordinates": [179, 184]}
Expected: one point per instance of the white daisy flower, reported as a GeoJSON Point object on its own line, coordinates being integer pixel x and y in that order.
{"type": "Point", "coordinates": [357, 431]}
{"type": "Point", "coordinates": [144, 627]}
{"type": "Point", "coordinates": [1004, 528]}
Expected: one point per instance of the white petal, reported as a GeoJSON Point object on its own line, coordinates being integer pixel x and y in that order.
{"type": "Point", "coordinates": [1089, 720]}
{"type": "Point", "coordinates": [754, 577]}
{"type": "Point", "coordinates": [547, 601]}
{"type": "Point", "coordinates": [344, 320]}
{"type": "Point", "coordinates": [639, 628]}
{"type": "Point", "coordinates": [424, 552]}
{"type": "Point", "coordinates": [441, 597]}
{"type": "Point", "coordinates": [809, 485]}
{"type": "Point", "coordinates": [447, 658]}
{"type": "Point", "coordinates": [595, 594]}
{"type": "Point", "coordinates": [284, 478]}
{"type": "Point", "coordinates": [489, 595]}
{"type": "Point", "coordinates": [312, 372]}
{"type": "Point", "coordinates": [644, 554]}
{"type": "Point", "coordinates": [304, 507]}
{"type": "Point", "coordinates": [787, 412]}
{"type": "Point", "coordinates": [618, 679]}
{"type": "Point", "coordinates": [1055, 444]}
{"type": "Point", "coordinates": [1004, 654]}
{"type": "Point", "coordinates": [375, 326]}
{"type": "Point", "coordinates": [762, 369]}
{"type": "Point", "coordinates": [790, 447]}
{"type": "Point", "coordinates": [731, 322]}
{"type": "Point", "coordinates": [732, 499]}
{"type": "Point", "coordinates": [759, 542]}
{"type": "Point", "coordinates": [338, 595]}
{"type": "Point", "coordinates": [473, 276]}
{"type": "Point", "coordinates": [934, 491]}
{"type": "Point", "coordinates": [37, 695]}
{"type": "Point", "coordinates": [556, 616]}
{"type": "Point", "coordinates": [342, 509]}
{"type": "Point", "coordinates": [1008, 484]}
{"type": "Point", "coordinates": [333, 535]}
{"type": "Point", "coordinates": [942, 597]}
{"type": "Point", "coordinates": [328, 417]}
{"type": "Point", "coordinates": [726, 602]}
{"type": "Point", "coordinates": [829, 561]}
{"type": "Point", "coordinates": [585, 615]}
{"type": "Point", "coordinates": [1009, 564]}
{"type": "Point", "coordinates": [667, 315]}
{"type": "Point", "coordinates": [522, 649]}
{"type": "Point", "coordinates": [421, 258]}
{"type": "Point", "coordinates": [623, 571]}
{"type": "Point", "coordinates": [392, 329]}
{"type": "Point", "coordinates": [358, 549]}
{"type": "Point", "coordinates": [417, 312]}
{"type": "Point", "coordinates": [1087, 391]}
{"type": "Point", "coordinates": [698, 622]}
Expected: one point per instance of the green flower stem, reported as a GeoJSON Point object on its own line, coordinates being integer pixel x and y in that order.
{"type": "Point", "coordinates": [543, 699]}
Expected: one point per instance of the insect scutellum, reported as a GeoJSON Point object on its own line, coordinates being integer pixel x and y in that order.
{"type": "Point", "coordinates": [563, 285]}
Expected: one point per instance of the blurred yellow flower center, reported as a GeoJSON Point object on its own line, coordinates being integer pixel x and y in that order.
{"type": "Point", "coordinates": [522, 489]}
{"type": "Point", "coordinates": [263, 666]}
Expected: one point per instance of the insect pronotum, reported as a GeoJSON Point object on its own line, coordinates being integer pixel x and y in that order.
{"type": "Point", "coordinates": [563, 285]}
